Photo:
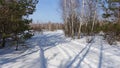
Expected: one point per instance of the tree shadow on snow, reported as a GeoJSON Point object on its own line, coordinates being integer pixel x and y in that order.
{"type": "Point", "coordinates": [45, 42]}
{"type": "Point", "coordinates": [48, 41]}
{"type": "Point", "coordinates": [13, 60]}
{"type": "Point", "coordinates": [81, 55]}
{"type": "Point", "coordinates": [100, 55]}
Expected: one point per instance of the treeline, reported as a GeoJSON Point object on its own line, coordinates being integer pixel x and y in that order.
{"type": "Point", "coordinates": [14, 19]}
{"type": "Point", "coordinates": [47, 26]}
{"type": "Point", "coordinates": [89, 17]}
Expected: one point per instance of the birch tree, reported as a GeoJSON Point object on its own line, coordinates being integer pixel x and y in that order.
{"type": "Point", "coordinates": [81, 18]}
{"type": "Point", "coordinates": [69, 13]}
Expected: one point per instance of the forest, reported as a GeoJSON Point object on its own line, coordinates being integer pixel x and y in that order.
{"type": "Point", "coordinates": [89, 17]}
{"type": "Point", "coordinates": [87, 37]}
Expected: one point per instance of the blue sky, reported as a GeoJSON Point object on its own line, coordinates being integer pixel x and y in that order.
{"type": "Point", "coordinates": [47, 10]}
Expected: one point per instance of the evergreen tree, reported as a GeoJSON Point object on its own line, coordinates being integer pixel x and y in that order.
{"type": "Point", "coordinates": [13, 17]}
{"type": "Point", "coordinates": [111, 10]}
{"type": "Point", "coordinates": [112, 16]}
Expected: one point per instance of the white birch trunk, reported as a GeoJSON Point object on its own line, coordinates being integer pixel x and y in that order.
{"type": "Point", "coordinates": [81, 19]}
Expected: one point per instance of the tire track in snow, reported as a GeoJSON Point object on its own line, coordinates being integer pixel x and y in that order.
{"type": "Point", "coordinates": [70, 51]}
{"type": "Point", "coordinates": [109, 62]}
{"type": "Point", "coordinates": [96, 56]}
{"type": "Point", "coordinates": [83, 55]}
{"type": "Point", "coordinates": [99, 54]}
{"type": "Point", "coordinates": [62, 51]}
{"type": "Point", "coordinates": [75, 47]}
{"type": "Point", "coordinates": [101, 51]}
{"type": "Point", "coordinates": [80, 56]}
{"type": "Point", "coordinates": [67, 50]}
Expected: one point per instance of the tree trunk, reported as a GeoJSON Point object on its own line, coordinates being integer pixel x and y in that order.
{"type": "Point", "coordinates": [72, 28]}
{"type": "Point", "coordinates": [81, 19]}
{"type": "Point", "coordinates": [16, 45]}
{"type": "Point", "coordinates": [94, 20]}
{"type": "Point", "coordinates": [79, 31]}
{"type": "Point", "coordinates": [3, 42]}
{"type": "Point", "coordinates": [66, 28]}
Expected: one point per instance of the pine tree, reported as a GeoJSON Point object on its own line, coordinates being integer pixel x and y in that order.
{"type": "Point", "coordinates": [112, 16]}
{"type": "Point", "coordinates": [13, 17]}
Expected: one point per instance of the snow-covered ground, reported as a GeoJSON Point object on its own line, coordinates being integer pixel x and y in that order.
{"type": "Point", "coordinates": [54, 50]}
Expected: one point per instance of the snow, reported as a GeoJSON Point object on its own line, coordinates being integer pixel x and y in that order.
{"type": "Point", "coordinates": [51, 49]}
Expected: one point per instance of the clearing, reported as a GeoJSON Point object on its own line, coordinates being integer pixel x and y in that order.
{"type": "Point", "coordinates": [53, 50]}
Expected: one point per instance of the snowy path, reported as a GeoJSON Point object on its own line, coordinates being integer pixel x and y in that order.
{"type": "Point", "coordinates": [66, 53]}
{"type": "Point", "coordinates": [53, 50]}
